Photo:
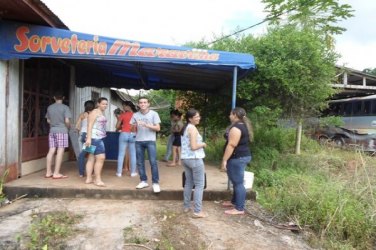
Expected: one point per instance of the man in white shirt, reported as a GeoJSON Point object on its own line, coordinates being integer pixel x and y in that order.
{"type": "Point", "coordinates": [148, 124]}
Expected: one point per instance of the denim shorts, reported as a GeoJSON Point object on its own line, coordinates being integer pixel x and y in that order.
{"type": "Point", "coordinates": [99, 146]}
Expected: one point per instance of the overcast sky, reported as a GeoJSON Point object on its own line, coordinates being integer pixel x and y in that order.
{"type": "Point", "coordinates": [176, 22]}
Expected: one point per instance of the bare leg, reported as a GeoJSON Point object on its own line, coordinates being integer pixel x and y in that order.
{"type": "Point", "coordinates": [174, 154]}
{"type": "Point", "coordinates": [99, 160]}
{"type": "Point", "coordinates": [49, 157]}
{"type": "Point", "coordinates": [58, 160]}
{"type": "Point", "coordinates": [89, 169]}
{"type": "Point", "coordinates": [179, 153]}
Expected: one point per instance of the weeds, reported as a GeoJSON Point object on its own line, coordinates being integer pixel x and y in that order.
{"type": "Point", "coordinates": [326, 190]}
{"type": "Point", "coordinates": [131, 237]}
{"type": "Point", "coordinates": [2, 181]}
{"type": "Point", "coordinates": [49, 230]}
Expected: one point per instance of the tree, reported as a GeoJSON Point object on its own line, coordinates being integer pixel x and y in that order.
{"type": "Point", "coordinates": [294, 69]}
{"type": "Point", "coordinates": [322, 15]}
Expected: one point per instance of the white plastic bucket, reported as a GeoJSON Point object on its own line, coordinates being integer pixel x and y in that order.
{"type": "Point", "coordinates": [248, 179]}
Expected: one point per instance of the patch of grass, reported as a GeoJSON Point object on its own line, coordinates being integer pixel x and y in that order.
{"type": "Point", "coordinates": [50, 230]}
{"type": "Point", "coordinates": [330, 193]}
{"type": "Point", "coordinates": [132, 237]}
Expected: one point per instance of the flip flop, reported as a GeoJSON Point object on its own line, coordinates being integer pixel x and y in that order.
{"type": "Point", "coordinates": [48, 176]}
{"type": "Point", "coordinates": [59, 177]}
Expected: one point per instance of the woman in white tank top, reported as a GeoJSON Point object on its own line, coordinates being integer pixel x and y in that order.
{"type": "Point", "coordinates": [96, 131]}
{"type": "Point", "coordinates": [192, 155]}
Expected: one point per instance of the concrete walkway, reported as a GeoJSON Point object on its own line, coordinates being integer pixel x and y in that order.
{"type": "Point", "coordinates": [36, 185]}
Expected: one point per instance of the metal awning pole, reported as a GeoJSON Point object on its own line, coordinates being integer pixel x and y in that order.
{"type": "Point", "coordinates": [233, 103]}
{"type": "Point", "coordinates": [234, 81]}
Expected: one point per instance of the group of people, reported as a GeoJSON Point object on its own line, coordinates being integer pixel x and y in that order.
{"type": "Point", "coordinates": [138, 134]}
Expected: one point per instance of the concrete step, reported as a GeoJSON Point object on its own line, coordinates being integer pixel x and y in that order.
{"type": "Point", "coordinates": [36, 185]}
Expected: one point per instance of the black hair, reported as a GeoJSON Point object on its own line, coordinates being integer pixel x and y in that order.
{"type": "Point", "coordinates": [176, 112]}
{"type": "Point", "coordinates": [190, 113]}
{"type": "Point", "coordinates": [129, 104]}
{"type": "Point", "coordinates": [59, 95]}
{"type": "Point", "coordinates": [89, 106]}
{"type": "Point", "coordinates": [117, 111]}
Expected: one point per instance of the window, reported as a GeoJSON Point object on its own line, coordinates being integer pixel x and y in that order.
{"type": "Point", "coordinates": [366, 109]}
{"type": "Point", "coordinates": [347, 109]}
{"type": "Point", "coordinates": [373, 104]}
{"type": "Point", "coordinates": [357, 108]}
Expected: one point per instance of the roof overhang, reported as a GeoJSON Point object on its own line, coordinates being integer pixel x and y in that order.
{"type": "Point", "coordinates": [29, 11]}
{"type": "Point", "coordinates": [108, 62]}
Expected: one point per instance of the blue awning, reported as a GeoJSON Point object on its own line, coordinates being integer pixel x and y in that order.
{"type": "Point", "coordinates": [109, 62]}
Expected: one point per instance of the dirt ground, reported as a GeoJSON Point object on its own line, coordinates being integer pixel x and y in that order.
{"type": "Point", "coordinates": [147, 224]}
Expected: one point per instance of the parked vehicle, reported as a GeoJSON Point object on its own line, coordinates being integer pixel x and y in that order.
{"type": "Point", "coordinates": [342, 137]}
{"type": "Point", "coordinates": [358, 115]}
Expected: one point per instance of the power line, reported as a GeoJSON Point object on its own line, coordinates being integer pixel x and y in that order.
{"type": "Point", "coordinates": [254, 25]}
{"type": "Point", "coordinates": [239, 31]}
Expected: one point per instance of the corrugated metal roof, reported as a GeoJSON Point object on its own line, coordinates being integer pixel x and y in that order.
{"type": "Point", "coordinates": [29, 11]}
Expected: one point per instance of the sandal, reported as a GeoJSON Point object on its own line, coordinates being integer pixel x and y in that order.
{"type": "Point", "coordinates": [234, 212]}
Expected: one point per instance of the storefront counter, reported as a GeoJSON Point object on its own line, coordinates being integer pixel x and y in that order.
{"type": "Point", "coordinates": [111, 143]}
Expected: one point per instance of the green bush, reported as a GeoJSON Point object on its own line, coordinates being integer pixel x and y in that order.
{"type": "Point", "coordinates": [214, 150]}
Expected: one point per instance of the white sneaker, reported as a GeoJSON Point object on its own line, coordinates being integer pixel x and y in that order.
{"type": "Point", "coordinates": [156, 188]}
{"type": "Point", "coordinates": [133, 174]}
{"type": "Point", "coordinates": [118, 174]}
{"type": "Point", "coordinates": [142, 184]}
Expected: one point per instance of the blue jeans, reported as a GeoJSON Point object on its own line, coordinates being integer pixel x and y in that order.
{"type": "Point", "coordinates": [126, 140]}
{"type": "Point", "coordinates": [169, 147]}
{"type": "Point", "coordinates": [81, 156]}
{"type": "Point", "coordinates": [194, 175]}
{"type": "Point", "coordinates": [235, 172]}
{"type": "Point", "coordinates": [151, 148]}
